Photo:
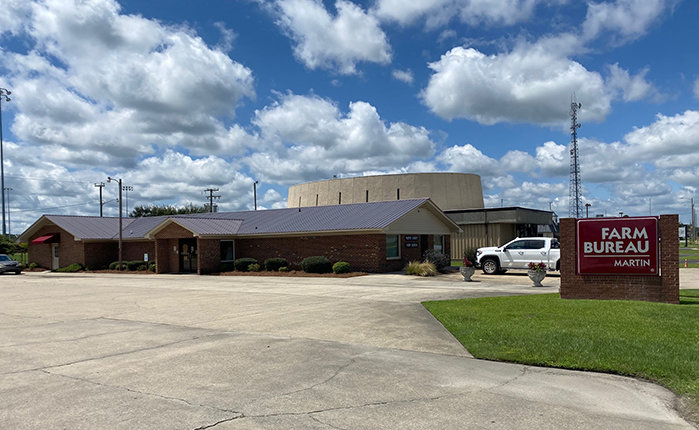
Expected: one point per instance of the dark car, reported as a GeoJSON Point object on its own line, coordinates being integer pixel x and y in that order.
{"type": "Point", "coordinates": [9, 265]}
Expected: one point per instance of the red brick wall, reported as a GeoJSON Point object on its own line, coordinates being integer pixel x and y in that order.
{"type": "Point", "coordinates": [209, 255]}
{"type": "Point", "coordinates": [366, 253]}
{"type": "Point", "coordinates": [163, 249]}
{"type": "Point", "coordinates": [101, 254]}
{"type": "Point", "coordinates": [69, 250]}
{"type": "Point", "coordinates": [664, 288]}
{"type": "Point", "coordinates": [135, 250]}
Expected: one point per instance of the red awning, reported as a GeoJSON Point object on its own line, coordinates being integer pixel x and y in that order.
{"type": "Point", "coordinates": [51, 238]}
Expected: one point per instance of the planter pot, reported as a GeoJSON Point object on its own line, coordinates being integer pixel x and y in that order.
{"type": "Point", "coordinates": [537, 276]}
{"type": "Point", "coordinates": [467, 272]}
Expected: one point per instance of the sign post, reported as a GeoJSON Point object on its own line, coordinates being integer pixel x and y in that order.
{"type": "Point", "coordinates": [618, 246]}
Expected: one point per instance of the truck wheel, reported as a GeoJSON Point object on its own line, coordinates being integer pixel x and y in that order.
{"type": "Point", "coordinates": [490, 266]}
{"type": "Point", "coordinates": [558, 265]}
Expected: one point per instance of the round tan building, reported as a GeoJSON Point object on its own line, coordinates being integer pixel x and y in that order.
{"type": "Point", "coordinates": [449, 191]}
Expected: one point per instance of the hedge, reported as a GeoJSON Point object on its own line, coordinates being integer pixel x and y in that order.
{"type": "Point", "coordinates": [274, 264]}
{"type": "Point", "coordinates": [341, 267]}
{"type": "Point", "coordinates": [318, 264]}
{"type": "Point", "coordinates": [242, 264]}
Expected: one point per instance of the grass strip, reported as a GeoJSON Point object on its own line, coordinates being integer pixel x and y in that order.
{"type": "Point", "coordinates": [654, 341]}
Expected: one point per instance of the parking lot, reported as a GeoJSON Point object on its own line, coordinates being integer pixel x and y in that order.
{"type": "Point", "coordinates": [102, 351]}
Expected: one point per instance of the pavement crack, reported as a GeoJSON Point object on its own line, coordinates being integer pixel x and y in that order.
{"type": "Point", "coordinates": [317, 384]}
{"type": "Point", "coordinates": [325, 424]}
{"type": "Point", "coordinates": [144, 393]}
{"type": "Point", "coordinates": [219, 422]}
{"type": "Point", "coordinates": [118, 354]}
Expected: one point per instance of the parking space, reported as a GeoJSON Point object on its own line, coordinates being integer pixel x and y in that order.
{"type": "Point", "coordinates": [97, 351]}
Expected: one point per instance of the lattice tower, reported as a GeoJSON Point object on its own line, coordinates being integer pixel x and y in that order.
{"type": "Point", "coordinates": [574, 201]}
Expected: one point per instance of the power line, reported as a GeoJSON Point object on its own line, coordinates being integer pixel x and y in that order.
{"type": "Point", "coordinates": [56, 207]}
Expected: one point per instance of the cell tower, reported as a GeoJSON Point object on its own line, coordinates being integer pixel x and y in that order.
{"type": "Point", "coordinates": [574, 202]}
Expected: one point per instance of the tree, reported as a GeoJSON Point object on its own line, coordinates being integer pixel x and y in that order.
{"type": "Point", "coordinates": [160, 210]}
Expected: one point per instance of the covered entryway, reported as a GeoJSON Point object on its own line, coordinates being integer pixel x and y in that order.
{"type": "Point", "coordinates": [188, 255]}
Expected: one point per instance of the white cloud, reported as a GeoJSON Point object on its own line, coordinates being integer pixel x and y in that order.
{"type": "Point", "coordinates": [633, 88]}
{"type": "Point", "coordinates": [696, 89]}
{"type": "Point", "coordinates": [309, 138]}
{"type": "Point", "coordinates": [333, 42]}
{"type": "Point", "coordinates": [468, 159]}
{"type": "Point", "coordinates": [121, 85]}
{"type": "Point", "coordinates": [473, 12]}
{"type": "Point", "coordinates": [626, 20]}
{"type": "Point", "coordinates": [403, 76]}
{"type": "Point", "coordinates": [527, 84]}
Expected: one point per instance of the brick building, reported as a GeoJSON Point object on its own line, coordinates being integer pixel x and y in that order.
{"type": "Point", "coordinates": [372, 237]}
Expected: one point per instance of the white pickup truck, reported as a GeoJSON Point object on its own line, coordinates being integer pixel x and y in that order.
{"type": "Point", "coordinates": [518, 253]}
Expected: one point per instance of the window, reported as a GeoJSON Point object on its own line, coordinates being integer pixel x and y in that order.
{"type": "Point", "coordinates": [520, 244]}
{"type": "Point", "coordinates": [398, 194]}
{"type": "Point", "coordinates": [339, 198]}
{"type": "Point", "coordinates": [227, 250]}
{"type": "Point", "coordinates": [555, 244]}
{"type": "Point", "coordinates": [536, 244]}
{"type": "Point", "coordinates": [438, 243]}
{"type": "Point", "coordinates": [367, 196]}
{"type": "Point", "coordinates": [392, 246]}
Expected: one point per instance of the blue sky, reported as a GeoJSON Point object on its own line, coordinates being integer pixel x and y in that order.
{"type": "Point", "coordinates": [176, 97]}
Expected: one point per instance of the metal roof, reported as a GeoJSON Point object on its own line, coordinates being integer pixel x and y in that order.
{"type": "Point", "coordinates": [208, 226]}
{"type": "Point", "coordinates": [358, 216]}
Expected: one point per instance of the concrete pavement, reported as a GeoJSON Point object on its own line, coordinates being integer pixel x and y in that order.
{"type": "Point", "coordinates": [98, 351]}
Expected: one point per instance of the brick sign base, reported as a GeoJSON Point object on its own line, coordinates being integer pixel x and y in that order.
{"type": "Point", "coordinates": [664, 288]}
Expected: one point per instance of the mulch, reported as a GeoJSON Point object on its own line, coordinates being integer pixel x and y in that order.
{"type": "Point", "coordinates": [294, 274]}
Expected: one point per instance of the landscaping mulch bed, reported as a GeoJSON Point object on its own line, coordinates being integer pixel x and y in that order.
{"type": "Point", "coordinates": [294, 274]}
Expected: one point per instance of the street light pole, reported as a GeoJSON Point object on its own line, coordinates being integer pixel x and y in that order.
{"type": "Point", "coordinates": [254, 190]}
{"type": "Point", "coordinates": [118, 181]}
{"type": "Point", "coordinates": [9, 222]}
{"type": "Point", "coordinates": [587, 210]}
{"type": "Point", "coordinates": [4, 93]}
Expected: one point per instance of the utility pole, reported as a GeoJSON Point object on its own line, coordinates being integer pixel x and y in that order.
{"type": "Point", "coordinates": [127, 189]}
{"type": "Point", "coordinates": [9, 222]}
{"type": "Point", "coordinates": [694, 223]}
{"type": "Point", "coordinates": [100, 186]}
{"type": "Point", "coordinates": [574, 203]}
{"type": "Point", "coordinates": [211, 192]}
{"type": "Point", "coordinates": [254, 190]}
{"type": "Point", "coordinates": [118, 181]}
{"type": "Point", "coordinates": [4, 93]}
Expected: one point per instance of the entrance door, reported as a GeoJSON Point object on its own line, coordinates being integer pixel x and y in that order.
{"type": "Point", "coordinates": [188, 255]}
{"type": "Point", "coordinates": [54, 256]}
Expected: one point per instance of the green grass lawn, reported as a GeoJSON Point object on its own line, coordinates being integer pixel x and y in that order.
{"type": "Point", "coordinates": [654, 341]}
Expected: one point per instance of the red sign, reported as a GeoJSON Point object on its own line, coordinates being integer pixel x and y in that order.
{"type": "Point", "coordinates": [618, 246]}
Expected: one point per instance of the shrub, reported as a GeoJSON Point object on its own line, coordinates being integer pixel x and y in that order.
{"type": "Point", "coordinates": [274, 264]}
{"type": "Point", "coordinates": [413, 268]}
{"type": "Point", "coordinates": [115, 265]}
{"type": "Point", "coordinates": [134, 265]}
{"type": "Point", "coordinates": [151, 266]}
{"type": "Point", "coordinates": [242, 264]}
{"type": "Point", "coordinates": [284, 269]}
{"type": "Point", "coordinates": [317, 264]}
{"type": "Point", "coordinates": [421, 268]}
{"type": "Point", "coordinates": [438, 259]}
{"type": "Point", "coordinates": [75, 267]}
{"type": "Point", "coordinates": [254, 268]}
{"type": "Point", "coordinates": [141, 268]}
{"type": "Point", "coordinates": [33, 266]}
{"type": "Point", "coordinates": [226, 267]}
{"type": "Point", "coordinates": [341, 267]}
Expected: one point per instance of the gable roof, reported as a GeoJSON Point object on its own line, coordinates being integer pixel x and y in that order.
{"type": "Point", "coordinates": [376, 216]}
